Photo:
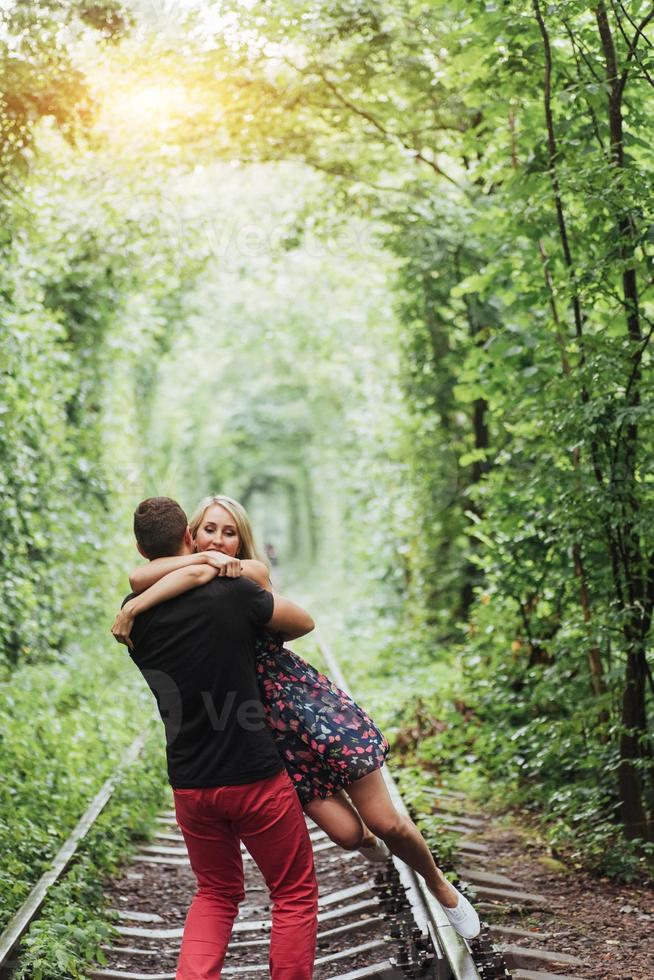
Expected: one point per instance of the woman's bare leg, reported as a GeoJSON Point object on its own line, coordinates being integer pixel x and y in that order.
{"type": "Point", "coordinates": [340, 821]}
{"type": "Point", "coordinates": [399, 833]}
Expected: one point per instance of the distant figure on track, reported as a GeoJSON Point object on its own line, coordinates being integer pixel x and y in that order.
{"type": "Point", "coordinates": [271, 554]}
{"type": "Point", "coordinates": [328, 743]}
{"type": "Point", "coordinates": [196, 651]}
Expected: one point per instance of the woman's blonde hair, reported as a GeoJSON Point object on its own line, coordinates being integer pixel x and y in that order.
{"type": "Point", "coordinates": [247, 547]}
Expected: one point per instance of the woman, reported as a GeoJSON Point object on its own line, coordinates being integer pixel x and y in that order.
{"type": "Point", "coordinates": [327, 742]}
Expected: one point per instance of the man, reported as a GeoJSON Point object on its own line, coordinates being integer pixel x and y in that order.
{"type": "Point", "coordinates": [196, 652]}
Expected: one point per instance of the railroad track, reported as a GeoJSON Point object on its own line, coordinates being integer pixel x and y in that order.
{"type": "Point", "coordinates": [375, 922]}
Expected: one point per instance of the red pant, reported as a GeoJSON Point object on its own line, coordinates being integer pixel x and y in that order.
{"type": "Point", "coordinates": [267, 816]}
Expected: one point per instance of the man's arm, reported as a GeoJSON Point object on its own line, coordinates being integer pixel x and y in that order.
{"type": "Point", "coordinates": [289, 619]}
{"type": "Point", "coordinates": [172, 585]}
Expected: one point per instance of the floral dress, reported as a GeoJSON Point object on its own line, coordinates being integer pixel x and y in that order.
{"type": "Point", "coordinates": [324, 738]}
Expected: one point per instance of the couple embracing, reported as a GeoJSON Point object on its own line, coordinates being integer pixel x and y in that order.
{"type": "Point", "coordinates": [256, 737]}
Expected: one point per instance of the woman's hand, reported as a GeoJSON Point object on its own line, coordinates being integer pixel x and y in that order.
{"type": "Point", "coordinates": [227, 566]}
{"type": "Point", "coordinates": [123, 625]}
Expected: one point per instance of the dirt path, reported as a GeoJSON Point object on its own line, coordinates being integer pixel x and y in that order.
{"type": "Point", "coordinates": [609, 927]}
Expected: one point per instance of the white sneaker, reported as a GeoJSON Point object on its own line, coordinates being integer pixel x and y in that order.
{"type": "Point", "coordinates": [377, 854]}
{"type": "Point", "coordinates": [463, 917]}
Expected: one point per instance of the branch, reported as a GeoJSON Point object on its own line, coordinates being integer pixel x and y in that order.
{"type": "Point", "coordinates": [330, 171]}
{"type": "Point", "coordinates": [577, 48]}
{"type": "Point", "coordinates": [560, 216]}
{"type": "Point", "coordinates": [634, 44]}
{"type": "Point", "coordinates": [634, 25]}
{"type": "Point", "coordinates": [637, 359]}
{"type": "Point", "coordinates": [554, 177]}
{"type": "Point", "coordinates": [626, 39]}
{"type": "Point", "coordinates": [619, 22]}
{"type": "Point", "coordinates": [357, 110]}
{"type": "Point", "coordinates": [565, 363]}
{"type": "Point", "coordinates": [355, 179]}
{"type": "Point", "coordinates": [386, 133]}
{"type": "Point", "coordinates": [646, 74]}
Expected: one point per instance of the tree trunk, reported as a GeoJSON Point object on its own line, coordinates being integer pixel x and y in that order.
{"type": "Point", "coordinates": [624, 488]}
{"type": "Point", "coordinates": [634, 816]}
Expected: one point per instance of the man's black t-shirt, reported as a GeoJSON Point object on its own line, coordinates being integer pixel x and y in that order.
{"type": "Point", "coordinates": [197, 654]}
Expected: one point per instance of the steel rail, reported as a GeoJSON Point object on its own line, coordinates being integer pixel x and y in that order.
{"type": "Point", "coordinates": [454, 960]}
{"type": "Point", "coordinates": [28, 911]}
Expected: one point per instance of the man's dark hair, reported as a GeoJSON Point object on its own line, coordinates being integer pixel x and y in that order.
{"type": "Point", "coordinates": [159, 525]}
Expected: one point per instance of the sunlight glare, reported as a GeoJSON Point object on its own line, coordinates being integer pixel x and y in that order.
{"type": "Point", "coordinates": [153, 106]}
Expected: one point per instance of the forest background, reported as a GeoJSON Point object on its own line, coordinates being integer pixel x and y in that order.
{"type": "Point", "coordinates": [384, 273]}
